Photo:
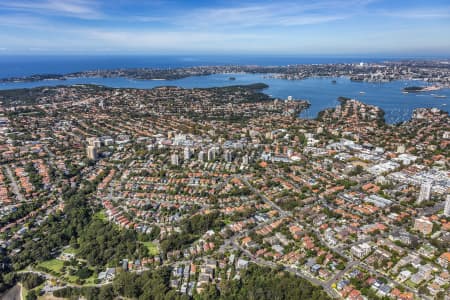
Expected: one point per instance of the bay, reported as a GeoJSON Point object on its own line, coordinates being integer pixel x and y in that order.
{"type": "Point", "coordinates": [320, 92]}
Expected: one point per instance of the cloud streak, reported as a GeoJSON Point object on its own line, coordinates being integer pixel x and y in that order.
{"type": "Point", "coordinates": [22, 21]}
{"type": "Point", "coordinates": [273, 14]}
{"type": "Point", "coordinates": [82, 9]}
{"type": "Point", "coordinates": [263, 26]}
{"type": "Point", "coordinates": [422, 13]}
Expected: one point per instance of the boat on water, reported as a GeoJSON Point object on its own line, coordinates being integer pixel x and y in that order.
{"type": "Point", "coordinates": [362, 93]}
{"type": "Point", "coordinates": [439, 96]}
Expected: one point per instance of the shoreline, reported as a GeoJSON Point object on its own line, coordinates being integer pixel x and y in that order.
{"type": "Point", "coordinates": [66, 80]}
{"type": "Point", "coordinates": [361, 72]}
{"type": "Point", "coordinates": [318, 102]}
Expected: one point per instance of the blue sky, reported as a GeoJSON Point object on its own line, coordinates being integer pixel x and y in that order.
{"type": "Point", "coordinates": [314, 27]}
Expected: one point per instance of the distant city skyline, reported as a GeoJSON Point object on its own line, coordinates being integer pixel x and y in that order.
{"type": "Point", "coordinates": [318, 27]}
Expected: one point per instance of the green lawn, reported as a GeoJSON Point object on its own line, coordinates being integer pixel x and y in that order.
{"type": "Point", "coordinates": [71, 278]}
{"type": "Point", "coordinates": [52, 265]}
{"type": "Point", "coordinates": [74, 278]}
{"type": "Point", "coordinates": [24, 292]}
{"type": "Point", "coordinates": [88, 281]}
{"type": "Point", "coordinates": [91, 280]}
{"type": "Point", "coordinates": [70, 250]}
{"type": "Point", "coordinates": [101, 215]}
{"type": "Point", "coordinates": [410, 284]}
{"type": "Point", "coordinates": [227, 221]}
{"type": "Point", "coordinates": [152, 248]}
{"type": "Point", "coordinates": [56, 265]}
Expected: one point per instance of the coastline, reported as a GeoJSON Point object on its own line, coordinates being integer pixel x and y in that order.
{"type": "Point", "coordinates": [362, 72]}
{"type": "Point", "coordinates": [319, 90]}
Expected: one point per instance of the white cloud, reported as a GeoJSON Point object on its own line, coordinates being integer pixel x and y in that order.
{"type": "Point", "coordinates": [236, 16]}
{"type": "Point", "coordinates": [422, 13]}
{"type": "Point", "coordinates": [83, 9]}
{"type": "Point", "coordinates": [246, 27]}
{"type": "Point", "coordinates": [144, 39]}
{"type": "Point", "coordinates": [190, 41]}
{"type": "Point", "coordinates": [273, 14]}
{"type": "Point", "coordinates": [21, 21]}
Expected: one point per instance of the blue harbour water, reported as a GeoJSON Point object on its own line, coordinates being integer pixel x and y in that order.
{"type": "Point", "coordinates": [321, 92]}
{"type": "Point", "coordinates": [24, 65]}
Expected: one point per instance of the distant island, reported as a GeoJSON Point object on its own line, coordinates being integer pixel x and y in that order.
{"type": "Point", "coordinates": [418, 89]}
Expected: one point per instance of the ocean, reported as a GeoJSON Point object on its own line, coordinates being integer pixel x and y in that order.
{"type": "Point", "coordinates": [321, 92]}
{"type": "Point", "coordinates": [24, 65]}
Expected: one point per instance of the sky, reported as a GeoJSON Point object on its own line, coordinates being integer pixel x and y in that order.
{"type": "Point", "coordinates": [313, 27]}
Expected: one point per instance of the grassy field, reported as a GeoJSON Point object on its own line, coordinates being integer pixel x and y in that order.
{"type": "Point", "coordinates": [91, 280]}
{"type": "Point", "coordinates": [88, 281]}
{"type": "Point", "coordinates": [49, 297]}
{"type": "Point", "coordinates": [70, 250]}
{"type": "Point", "coordinates": [24, 292]}
{"type": "Point", "coordinates": [101, 215]}
{"type": "Point", "coordinates": [410, 284]}
{"type": "Point", "coordinates": [152, 248]}
{"type": "Point", "coordinates": [53, 265]}
{"type": "Point", "coordinates": [227, 221]}
{"type": "Point", "coordinates": [56, 265]}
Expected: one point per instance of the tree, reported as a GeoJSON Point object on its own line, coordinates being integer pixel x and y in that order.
{"type": "Point", "coordinates": [320, 259]}
{"type": "Point", "coordinates": [264, 283]}
{"type": "Point", "coordinates": [84, 273]}
{"type": "Point", "coordinates": [31, 280]}
{"type": "Point", "coordinates": [106, 292]}
{"type": "Point", "coordinates": [125, 284]}
{"type": "Point", "coordinates": [32, 295]}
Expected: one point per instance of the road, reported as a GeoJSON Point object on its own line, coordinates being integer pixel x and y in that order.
{"type": "Point", "coordinates": [350, 264]}
{"type": "Point", "coordinates": [232, 240]}
{"type": "Point", "coordinates": [427, 211]}
{"type": "Point", "coordinates": [14, 293]}
{"type": "Point", "coordinates": [393, 281]}
{"type": "Point", "coordinates": [48, 276]}
{"type": "Point", "coordinates": [110, 197]}
{"type": "Point", "coordinates": [341, 273]}
{"type": "Point", "coordinates": [262, 262]}
{"type": "Point", "coordinates": [282, 212]}
{"type": "Point", "coordinates": [50, 153]}
{"type": "Point", "coordinates": [15, 187]}
{"type": "Point", "coordinates": [325, 285]}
